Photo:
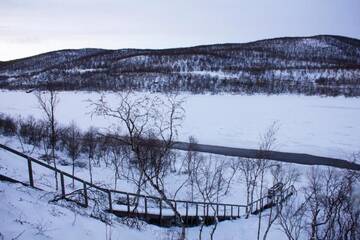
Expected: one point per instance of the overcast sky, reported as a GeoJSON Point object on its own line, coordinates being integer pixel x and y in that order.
{"type": "Point", "coordinates": [29, 27]}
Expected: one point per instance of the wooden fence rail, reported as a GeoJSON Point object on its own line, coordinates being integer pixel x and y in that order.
{"type": "Point", "coordinates": [270, 201]}
{"type": "Point", "coordinates": [201, 208]}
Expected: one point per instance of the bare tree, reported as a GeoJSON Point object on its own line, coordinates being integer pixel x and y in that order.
{"type": "Point", "coordinates": [73, 145]}
{"type": "Point", "coordinates": [283, 175]}
{"type": "Point", "coordinates": [253, 170]}
{"type": "Point", "coordinates": [150, 125]}
{"type": "Point", "coordinates": [332, 204]}
{"type": "Point", "coordinates": [48, 102]}
{"type": "Point", "coordinates": [8, 126]}
{"type": "Point", "coordinates": [267, 142]}
{"type": "Point", "coordinates": [45, 143]}
{"type": "Point", "coordinates": [89, 144]}
{"type": "Point", "coordinates": [28, 133]}
{"type": "Point", "coordinates": [211, 180]}
{"type": "Point", "coordinates": [234, 166]}
{"type": "Point", "coordinates": [329, 208]}
{"type": "Point", "coordinates": [292, 218]}
{"type": "Point", "coordinates": [117, 159]}
{"type": "Point", "coordinates": [188, 165]}
{"type": "Point", "coordinates": [103, 151]}
{"type": "Point", "coordinates": [250, 172]}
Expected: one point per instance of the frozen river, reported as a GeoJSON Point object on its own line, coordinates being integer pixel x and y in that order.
{"type": "Point", "coordinates": [328, 126]}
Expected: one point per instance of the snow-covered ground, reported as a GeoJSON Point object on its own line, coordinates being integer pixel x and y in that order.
{"type": "Point", "coordinates": [315, 125]}
{"type": "Point", "coordinates": [327, 126]}
{"type": "Point", "coordinates": [16, 167]}
{"type": "Point", "coordinates": [27, 213]}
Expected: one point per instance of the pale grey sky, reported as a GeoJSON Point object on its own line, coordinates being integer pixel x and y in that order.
{"type": "Point", "coordinates": [29, 27]}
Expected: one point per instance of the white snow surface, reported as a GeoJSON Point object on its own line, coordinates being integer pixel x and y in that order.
{"type": "Point", "coordinates": [28, 212]}
{"type": "Point", "coordinates": [327, 126]}
{"type": "Point", "coordinates": [313, 43]}
{"type": "Point", "coordinates": [323, 126]}
{"type": "Point", "coordinates": [219, 74]}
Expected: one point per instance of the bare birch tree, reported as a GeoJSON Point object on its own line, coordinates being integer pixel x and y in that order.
{"type": "Point", "coordinates": [150, 125]}
{"type": "Point", "coordinates": [211, 182]}
{"type": "Point", "coordinates": [48, 101]}
{"type": "Point", "coordinates": [286, 176]}
{"type": "Point", "coordinates": [90, 145]}
{"type": "Point", "coordinates": [73, 145]}
{"type": "Point", "coordinates": [332, 203]}
{"type": "Point", "coordinates": [267, 143]}
{"type": "Point", "coordinates": [188, 166]}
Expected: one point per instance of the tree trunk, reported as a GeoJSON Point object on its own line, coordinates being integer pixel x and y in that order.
{"type": "Point", "coordinates": [261, 189]}
{"type": "Point", "coordinates": [90, 171]}
{"type": "Point", "coordinates": [73, 172]}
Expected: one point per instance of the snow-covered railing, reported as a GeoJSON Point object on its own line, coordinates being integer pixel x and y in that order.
{"type": "Point", "coordinates": [268, 201]}
{"type": "Point", "coordinates": [121, 201]}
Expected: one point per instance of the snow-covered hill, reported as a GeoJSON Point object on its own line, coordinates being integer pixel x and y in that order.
{"type": "Point", "coordinates": [322, 64]}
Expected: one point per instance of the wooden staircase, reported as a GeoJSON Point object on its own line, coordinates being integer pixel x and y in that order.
{"type": "Point", "coordinates": [151, 209]}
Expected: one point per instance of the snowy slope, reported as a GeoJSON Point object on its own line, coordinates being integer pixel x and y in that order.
{"type": "Point", "coordinates": [322, 64]}
{"type": "Point", "coordinates": [27, 213]}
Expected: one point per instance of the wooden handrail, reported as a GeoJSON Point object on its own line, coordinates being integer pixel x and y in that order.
{"type": "Point", "coordinates": [87, 184]}
{"type": "Point", "coordinates": [50, 167]}
{"type": "Point", "coordinates": [259, 203]}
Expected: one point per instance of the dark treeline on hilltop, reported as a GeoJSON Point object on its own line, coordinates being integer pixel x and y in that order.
{"type": "Point", "coordinates": [319, 65]}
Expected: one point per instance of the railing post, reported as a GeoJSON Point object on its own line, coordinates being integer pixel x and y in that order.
{"type": "Point", "coordinates": [128, 202]}
{"type": "Point", "coordinates": [145, 206]}
{"type": "Point", "coordinates": [62, 181]}
{"type": "Point", "coordinates": [31, 179]}
{"type": "Point", "coordinates": [85, 195]}
{"type": "Point", "coordinates": [248, 208]}
{"type": "Point", "coordinates": [110, 201]}
{"type": "Point", "coordinates": [160, 209]}
{"type": "Point", "coordinates": [217, 209]}
{"type": "Point", "coordinates": [197, 209]}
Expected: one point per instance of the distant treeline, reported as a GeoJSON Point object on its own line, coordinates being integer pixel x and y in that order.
{"type": "Point", "coordinates": [160, 82]}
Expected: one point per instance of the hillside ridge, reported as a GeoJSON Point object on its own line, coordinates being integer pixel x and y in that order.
{"type": "Point", "coordinates": [316, 65]}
